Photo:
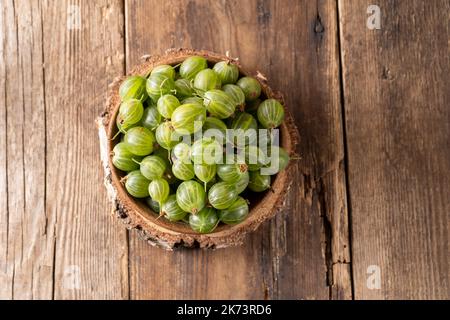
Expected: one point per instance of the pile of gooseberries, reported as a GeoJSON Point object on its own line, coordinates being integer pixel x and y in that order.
{"type": "Point", "coordinates": [196, 140]}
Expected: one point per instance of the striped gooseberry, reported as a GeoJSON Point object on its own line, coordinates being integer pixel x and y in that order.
{"type": "Point", "coordinates": [159, 190]}
{"type": "Point", "coordinates": [191, 66]}
{"type": "Point", "coordinates": [270, 113]}
{"type": "Point", "coordinates": [151, 118]}
{"type": "Point", "coordinates": [139, 141]}
{"type": "Point", "coordinates": [164, 69]}
{"type": "Point", "coordinates": [242, 183]}
{"type": "Point", "coordinates": [167, 104]}
{"type": "Point", "coordinates": [158, 85]}
{"type": "Point", "coordinates": [153, 167]}
{"type": "Point", "coordinates": [166, 136]}
{"type": "Point", "coordinates": [191, 197]}
{"type": "Point", "coordinates": [231, 173]}
{"type": "Point", "coordinates": [195, 100]}
{"type": "Point", "coordinates": [171, 210]}
{"type": "Point", "coordinates": [235, 213]}
{"type": "Point", "coordinates": [236, 93]}
{"type": "Point", "coordinates": [183, 170]}
{"type": "Point", "coordinates": [136, 184]}
{"type": "Point", "coordinates": [205, 221]}
{"type": "Point", "coordinates": [251, 88]}
{"type": "Point", "coordinates": [222, 195]}
{"type": "Point", "coordinates": [219, 104]}
{"type": "Point", "coordinates": [183, 88]}
{"type": "Point", "coordinates": [258, 182]}
{"type": "Point", "coordinates": [130, 113]}
{"type": "Point", "coordinates": [227, 72]}
{"type": "Point", "coordinates": [182, 151]}
{"type": "Point", "coordinates": [185, 117]}
{"type": "Point", "coordinates": [207, 79]}
{"type": "Point", "coordinates": [205, 172]}
{"type": "Point", "coordinates": [133, 87]}
{"type": "Point", "coordinates": [123, 159]}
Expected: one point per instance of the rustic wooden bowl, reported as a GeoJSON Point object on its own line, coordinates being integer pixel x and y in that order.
{"type": "Point", "coordinates": [161, 232]}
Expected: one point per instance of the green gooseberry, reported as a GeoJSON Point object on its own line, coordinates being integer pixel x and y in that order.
{"type": "Point", "coordinates": [231, 173]}
{"type": "Point", "coordinates": [236, 93]}
{"type": "Point", "coordinates": [195, 100]}
{"type": "Point", "coordinates": [166, 136]}
{"type": "Point", "coordinates": [183, 88]}
{"type": "Point", "coordinates": [123, 159]}
{"type": "Point", "coordinates": [251, 88]}
{"type": "Point", "coordinates": [183, 170]}
{"type": "Point", "coordinates": [139, 141]}
{"type": "Point", "coordinates": [191, 197]}
{"type": "Point", "coordinates": [171, 210]}
{"type": "Point", "coordinates": [222, 195]}
{"type": "Point", "coordinates": [136, 184]}
{"type": "Point", "coordinates": [227, 72]}
{"type": "Point", "coordinates": [151, 118]}
{"type": "Point", "coordinates": [130, 113]}
{"type": "Point", "coordinates": [205, 172]}
{"type": "Point", "coordinates": [159, 190]}
{"type": "Point", "coordinates": [182, 151]}
{"type": "Point", "coordinates": [219, 104]}
{"type": "Point", "coordinates": [243, 182]}
{"type": "Point", "coordinates": [188, 118]}
{"type": "Point", "coordinates": [270, 113]}
{"type": "Point", "coordinates": [153, 167]}
{"type": "Point", "coordinates": [204, 221]}
{"type": "Point", "coordinates": [258, 182]}
{"type": "Point", "coordinates": [133, 88]}
{"type": "Point", "coordinates": [207, 79]}
{"type": "Point", "coordinates": [167, 104]}
{"type": "Point", "coordinates": [159, 85]}
{"type": "Point", "coordinates": [235, 213]}
{"type": "Point", "coordinates": [191, 66]}
{"type": "Point", "coordinates": [164, 69]}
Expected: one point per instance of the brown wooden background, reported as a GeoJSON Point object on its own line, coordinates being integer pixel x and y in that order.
{"type": "Point", "coordinates": [372, 188]}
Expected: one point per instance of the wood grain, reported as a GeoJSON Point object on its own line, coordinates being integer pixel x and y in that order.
{"type": "Point", "coordinates": [91, 248]}
{"type": "Point", "coordinates": [397, 99]}
{"type": "Point", "coordinates": [295, 44]}
{"type": "Point", "coordinates": [26, 231]}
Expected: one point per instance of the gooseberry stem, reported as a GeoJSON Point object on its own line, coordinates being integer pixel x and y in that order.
{"type": "Point", "coordinates": [116, 135]}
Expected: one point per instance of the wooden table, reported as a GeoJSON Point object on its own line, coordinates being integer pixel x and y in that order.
{"type": "Point", "coordinates": [368, 216]}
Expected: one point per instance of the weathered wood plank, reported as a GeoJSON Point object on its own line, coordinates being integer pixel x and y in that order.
{"type": "Point", "coordinates": [81, 60]}
{"type": "Point", "coordinates": [295, 44]}
{"type": "Point", "coordinates": [397, 118]}
{"type": "Point", "coordinates": [27, 238]}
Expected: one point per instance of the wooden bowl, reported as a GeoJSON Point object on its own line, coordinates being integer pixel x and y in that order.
{"type": "Point", "coordinates": [161, 232]}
